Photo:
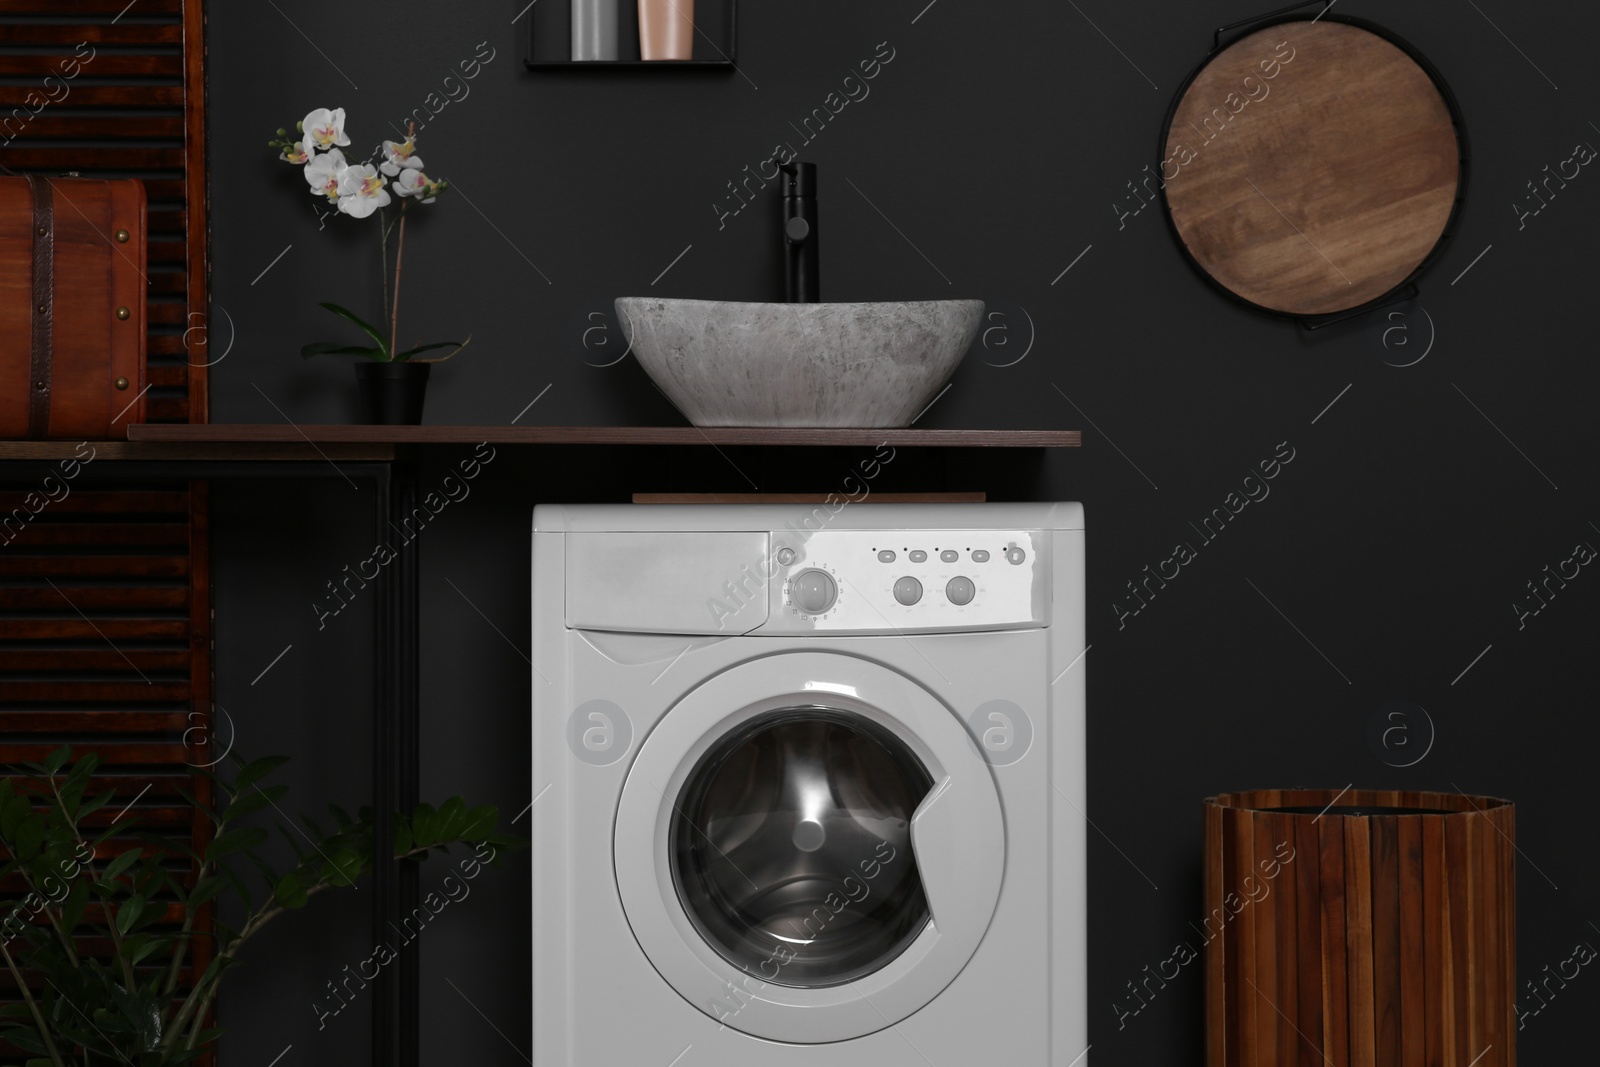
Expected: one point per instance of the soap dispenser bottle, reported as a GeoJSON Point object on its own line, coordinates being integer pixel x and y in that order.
{"type": "Point", "coordinates": [801, 274]}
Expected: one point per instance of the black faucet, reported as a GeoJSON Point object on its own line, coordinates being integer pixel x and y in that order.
{"type": "Point", "coordinates": [800, 274]}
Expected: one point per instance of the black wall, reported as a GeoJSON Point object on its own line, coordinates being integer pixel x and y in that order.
{"type": "Point", "coordinates": [993, 148]}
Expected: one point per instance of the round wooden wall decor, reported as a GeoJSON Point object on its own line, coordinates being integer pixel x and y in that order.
{"type": "Point", "coordinates": [1312, 166]}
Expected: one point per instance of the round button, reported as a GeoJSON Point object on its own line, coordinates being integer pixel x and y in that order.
{"type": "Point", "coordinates": [797, 230]}
{"type": "Point", "coordinates": [1015, 555]}
{"type": "Point", "coordinates": [960, 591]}
{"type": "Point", "coordinates": [814, 592]}
{"type": "Point", "coordinates": [980, 556]}
{"type": "Point", "coordinates": [908, 591]}
{"type": "Point", "coordinates": [886, 556]}
{"type": "Point", "coordinates": [918, 556]}
{"type": "Point", "coordinates": [786, 556]}
{"type": "Point", "coordinates": [949, 555]}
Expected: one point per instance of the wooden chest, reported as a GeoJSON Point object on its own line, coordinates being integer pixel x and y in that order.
{"type": "Point", "coordinates": [72, 307]}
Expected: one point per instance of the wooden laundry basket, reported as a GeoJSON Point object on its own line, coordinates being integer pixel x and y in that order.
{"type": "Point", "coordinates": [1359, 928]}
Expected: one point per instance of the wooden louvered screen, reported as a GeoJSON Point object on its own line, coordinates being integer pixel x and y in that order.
{"type": "Point", "coordinates": [105, 644]}
{"type": "Point", "coordinates": [116, 89]}
{"type": "Point", "coordinates": [105, 615]}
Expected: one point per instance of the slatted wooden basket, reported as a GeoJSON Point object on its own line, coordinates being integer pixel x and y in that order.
{"type": "Point", "coordinates": [1362, 928]}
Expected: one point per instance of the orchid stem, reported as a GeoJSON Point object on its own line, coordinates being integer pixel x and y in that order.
{"type": "Point", "coordinates": [399, 264]}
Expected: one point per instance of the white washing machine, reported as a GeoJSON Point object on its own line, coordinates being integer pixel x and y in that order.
{"type": "Point", "coordinates": [809, 786]}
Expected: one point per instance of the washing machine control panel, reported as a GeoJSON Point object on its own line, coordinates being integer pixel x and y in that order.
{"type": "Point", "coordinates": [901, 581]}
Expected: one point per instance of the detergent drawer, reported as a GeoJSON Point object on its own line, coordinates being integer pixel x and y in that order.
{"type": "Point", "coordinates": [667, 583]}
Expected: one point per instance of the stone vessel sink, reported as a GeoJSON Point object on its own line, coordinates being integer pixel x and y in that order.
{"type": "Point", "coordinates": [747, 364]}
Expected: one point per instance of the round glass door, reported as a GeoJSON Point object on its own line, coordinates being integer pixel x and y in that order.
{"type": "Point", "coordinates": [791, 851]}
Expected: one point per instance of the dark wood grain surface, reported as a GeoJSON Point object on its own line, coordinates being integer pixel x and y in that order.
{"type": "Point", "coordinates": [603, 435]}
{"type": "Point", "coordinates": [1311, 167]}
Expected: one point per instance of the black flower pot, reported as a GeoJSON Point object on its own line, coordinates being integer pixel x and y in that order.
{"type": "Point", "coordinates": [392, 394]}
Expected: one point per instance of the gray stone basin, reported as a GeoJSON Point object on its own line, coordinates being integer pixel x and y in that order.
{"type": "Point", "coordinates": [725, 363]}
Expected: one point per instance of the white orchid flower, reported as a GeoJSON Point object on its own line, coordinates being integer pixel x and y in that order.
{"type": "Point", "coordinates": [324, 129]}
{"type": "Point", "coordinates": [361, 191]}
{"type": "Point", "coordinates": [324, 173]}
{"type": "Point", "coordinates": [295, 153]}
{"type": "Point", "coordinates": [400, 156]}
{"type": "Point", "coordinates": [416, 183]}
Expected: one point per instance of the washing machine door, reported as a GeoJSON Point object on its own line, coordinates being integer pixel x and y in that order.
{"type": "Point", "coordinates": [809, 847]}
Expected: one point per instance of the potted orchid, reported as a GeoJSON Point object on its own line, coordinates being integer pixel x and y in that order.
{"type": "Point", "coordinates": [388, 186]}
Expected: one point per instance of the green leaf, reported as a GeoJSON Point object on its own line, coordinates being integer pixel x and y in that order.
{"type": "Point", "coordinates": [146, 945]}
{"type": "Point", "coordinates": [424, 826]}
{"type": "Point", "coordinates": [129, 913]}
{"type": "Point", "coordinates": [343, 868]}
{"type": "Point", "coordinates": [452, 817]}
{"type": "Point", "coordinates": [237, 885]}
{"type": "Point", "coordinates": [75, 905]}
{"type": "Point", "coordinates": [253, 801]}
{"type": "Point", "coordinates": [205, 892]}
{"type": "Point", "coordinates": [336, 348]}
{"type": "Point", "coordinates": [29, 838]}
{"type": "Point", "coordinates": [480, 822]}
{"type": "Point", "coordinates": [116, 867]}
{"type": "Point", "coordinates": [57, 759]}
{"type": "Point", "coordinates": [94, 805]}
{"type": "Point", "coordinates": [457, 345]}
{"type": "Point", "coordinates": [12, 811]}
{"type": "Point", "coordinates": [290, 892]}
{"type": "Point", "coordinates": [233, 841]}
{"type": "Point", "coordinates": [256, 770]}
{"type": "Point", "coordinates": [366, 327]}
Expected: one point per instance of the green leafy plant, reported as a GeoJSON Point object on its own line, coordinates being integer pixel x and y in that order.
{"type": "Point", "coordinates": [126, 1006]}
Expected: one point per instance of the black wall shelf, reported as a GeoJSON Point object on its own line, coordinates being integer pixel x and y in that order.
{"type": "Point", "coordinates": [550, 29]}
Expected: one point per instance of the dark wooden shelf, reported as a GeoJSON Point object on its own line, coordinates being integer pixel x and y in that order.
{"type": "Point", "coordinates": [216, 449]}
{"type": "Point", "coordinates": [236, 434]}
{"type": "Point", "coordinates": [626, 64]}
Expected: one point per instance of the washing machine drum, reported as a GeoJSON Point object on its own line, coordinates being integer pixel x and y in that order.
{"type": "Point", "coordinates": [794, 831]}
{"type": "Point", "coordinates": [809, 847]}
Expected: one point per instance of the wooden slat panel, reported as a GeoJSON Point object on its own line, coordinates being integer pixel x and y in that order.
{"type": "Point", "coordinates": [155, 132]}
{"type": "Point", "coordinates": [156, 599]}
{"type": "Point", "coordinates": [13, 566]}
{"type": "Point", "coordinates": [119, 721]}
{"type": "Point", "coordinates": [56, 125]}
{"type": "Point", "coordinates": [167, 281]}
{"type": "Point", "coordinates": [166, 190]}
{"type": "Point", "coordinates": [152, 788]}
{"type": "Point", "coordinates": [55, 533]}
{"type": "Point", "coordinates": [168, 252]}
{"type": "Point", "coordinates": [76, 629]}
{"type": "Point", "coordinates": [166, 409]}
{"type": "Point", "coordinates": [111, 8]}
{"type": "Point", "coordinates": [102, 65]}
{"type": "Point", "coordinates": [112, 752]}
{"type": "Point", "coordinates": [94, 159]}
{"type": "Point", "coordinates": [97, 96]}
{"type": "Point", "coordinates": [103, 501]}
{"type": "Point", "coordinates": [123, 33]}
{"type": "Point", "coordinates": [84, 660]}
